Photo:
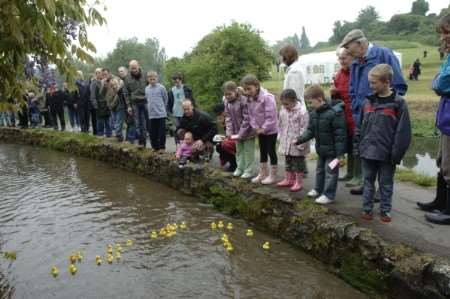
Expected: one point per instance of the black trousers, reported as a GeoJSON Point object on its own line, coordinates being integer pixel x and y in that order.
{"type": "Point", "coordinates": [58, 113]}
{"type": "Point", "coordinates": [93, 117]}
{"type": "Point", "coordinates": [157, 131]}
{"type": "Point", "coordinates": [83, 113]}
{"type": "Point", "coordinates": [267, 148]}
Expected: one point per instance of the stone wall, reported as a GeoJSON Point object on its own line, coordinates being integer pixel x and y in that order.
{"type": "Point", "coordinates": [356, 254]}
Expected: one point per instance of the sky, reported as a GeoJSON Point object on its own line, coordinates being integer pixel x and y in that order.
{"type": "Point", "coordinates": [179, 25]}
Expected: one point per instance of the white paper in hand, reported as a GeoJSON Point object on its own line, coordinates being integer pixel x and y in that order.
{"type": "Point", "coordinates": [333, 163]}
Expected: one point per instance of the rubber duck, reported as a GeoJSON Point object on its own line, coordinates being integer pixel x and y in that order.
{"type": "Point", "coordinates": [224, 238]}
{"type": "Point", "coordinates": [11, 255]}
{"type": "Point", "coordinates": [229, 247]}
{"type": "Point", "coordinates": [154, 235]}
{"type": "Point", "coordinates": [129, 242]}
{"type": "Point", "coordinates": [213, 225]}
{"type": "Point", "coordinates": [220, 224]}
{"type": "Point", "coordinates": [183, 225]}
{"type": "Point", "coordinates": [72, 269]}
{"type": "Point", "coordinates": [73, 258]}
{"type": "Point", "coordinates": [230, 226]}
{"type": "Point", "coordinates": [249, 233]}
{"type": "Point", "coordinates": [266, 246]}
{"type": "Point", "coordinates": [98, 260]}
{"type": "Point", "coordinates": [162, 232]}
{"type": "Point", "coordinates": [119, 248]}
{"type": "Point", "coordinates": [55, 271]}
{"type": "Point", "coordinates": [110, 258]}
{"type": "Point", "coordinates": [118, 256]}
{"type": "Point", "coordinates": [110, 249]}
{"type": "Point", "coordinates": [79, 256]}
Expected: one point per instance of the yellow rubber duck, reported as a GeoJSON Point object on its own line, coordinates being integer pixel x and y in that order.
{"type": "Point", "coordinates": [154, 235]}
{"type": "Point", "coordinates": [110, 249]}
{"type": "Point", "coordinates": [98, 260]}
{"type": "Point", "coordinates": [110, 258]}
{"type": "Point", "coordinates": [249, 233]}
{"type": "Point", "coordinates": [213, 225]}
{"type": "Point", "coordinates": [162, 232]}
{"type": "Point", "coordinates": [73, 258]}
{"type": "Point", "coordinates": [72, 269]}
{"type": "Point", "coordinates": [266, 246]}
{"type": "Point", "coordinates": [55, 271]}
{"type": "Point", "coordinates": [183, 225]}
{"type": "Point", "coordinates": [11, 255]}
{"type": "Point", "coordinates": [79, 256]}
{"type": "Point", "coordinates": [229, 247]}
{"type": "Point", "coordinates": [129, 242]}
{"type": "Point", "coordinates": [118, 256]}
{"type": "Point", "coordinates": [230, 226]}
{"type": "Point", "coordinates": [119, 248]}
{"type": "Point", "coordinates": [220, 224]}
{"type": "Point", "coordinates": [224, 238]}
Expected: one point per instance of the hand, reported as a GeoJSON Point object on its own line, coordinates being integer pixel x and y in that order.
{"type": "Point", "coordinates": [259, 131]}
{"type": "Point", "coordinates": [130, 110]}
{"type": "Point", "coordinates": [75, 106]}
{"type": "Point", "coordinates": [295, 142]}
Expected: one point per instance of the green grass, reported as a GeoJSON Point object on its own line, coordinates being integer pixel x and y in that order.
{"type": "Point", "coordinates": [408, 175]}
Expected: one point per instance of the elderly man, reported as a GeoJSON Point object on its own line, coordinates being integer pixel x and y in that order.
{"type": "Point", "coordinates": [366, 55]}
{"type": "Point", "coordinates": [96, 85]}
{"type": "Point", "coordinates": [294, 78]}
{"type": "Point", "coordinates": [134, 92]}
{"type": "Point", "coordinates": [201, 126]}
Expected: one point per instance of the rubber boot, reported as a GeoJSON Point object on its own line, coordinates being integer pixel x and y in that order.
{"type": "Point", "coordinates": [298, 182]}
{"type": "Point", "coordinates": [443, 217]}
{"type": "Point", "coordinates": [439, 201]}
{"type": "Point", "coordinates": [263, 172]}
{"type": "Point", "coordinates": [272, 176]}
{"type": "Point", "coordinates": [289, 179]}
{"type": "Point", "coordinates": [357, 174]}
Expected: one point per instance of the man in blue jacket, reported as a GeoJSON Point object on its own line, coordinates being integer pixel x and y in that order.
{"type": "Point", "coordinates": [366, 56]}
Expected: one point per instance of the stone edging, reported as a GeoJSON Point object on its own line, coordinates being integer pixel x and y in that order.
{"type": "Point", "coordinates": [356, 254]}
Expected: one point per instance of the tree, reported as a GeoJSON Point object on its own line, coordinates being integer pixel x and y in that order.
{"type": "Point", "coordinates": [47, 32]}
{"type": "Point", "coordinates": [367, 19]}
{"type": "Point", "coordinates": [227, 53]}
{"type": "Point", "coordinates": [420, 7]}
{"type": "Point", "coordinates": [304, 41]}
{"type": "Point", "coordinates": [149, 54]}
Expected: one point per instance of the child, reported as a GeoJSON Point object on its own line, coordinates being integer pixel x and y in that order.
{"type": "Point", "coordinates": [382, 138]}
{"type": "Point", "coordinates": [292, 122]}
{"type": "Point", "coordinates": [225, 147]}
{"type": "Point", "coordinates": [184, 150]}
{"type": "Point", "coordinates": [157, 99]}
{"type": "Point", "coordinates": [262, 111]}
{"type": "Point", "coordinates": [327, 126]}
{"type": "Point", "coordinates": [237, 127]}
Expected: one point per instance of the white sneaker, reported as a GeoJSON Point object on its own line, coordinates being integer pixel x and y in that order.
{"type": "Point", "coordinates": [237, 172]}
{"type": "Point", "coordinates": [246, 175]}
{"type": "Point", "coordinates": [312, 193]}
{"type": "Point", "coordinates": [323, 200]}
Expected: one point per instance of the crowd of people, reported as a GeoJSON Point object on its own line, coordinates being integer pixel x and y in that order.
{"type": "Point", "coordinates": [365, 118]}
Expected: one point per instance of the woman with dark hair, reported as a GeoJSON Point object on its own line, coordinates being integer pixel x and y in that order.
{"type": "Point", "coordinates": [440, 206]}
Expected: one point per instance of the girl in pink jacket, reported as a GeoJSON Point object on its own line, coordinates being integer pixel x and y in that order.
{"type": "Point", "coordinates": [292, 122]}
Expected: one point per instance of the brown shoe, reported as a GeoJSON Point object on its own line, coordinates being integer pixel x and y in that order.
{"type": "Point", "coordinates": [368, 216]}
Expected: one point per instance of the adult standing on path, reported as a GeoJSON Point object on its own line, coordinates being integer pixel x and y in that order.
{"type": "Point", "coordinates": [294, 78]}
{"type": "Point", "coordinates": [135, 83]}
{"type": "Point", "coordinates": [366, 55]}
{"type": "Point", "coordinates": [441, 85]}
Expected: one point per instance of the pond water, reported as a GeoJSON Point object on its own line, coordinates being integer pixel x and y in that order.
{"type": "Point", "coordinates": [53, 204]}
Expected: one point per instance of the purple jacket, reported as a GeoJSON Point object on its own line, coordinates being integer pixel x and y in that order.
{"type": "Point", "coordinates": [263, 112]}
{"type": "Point", "coordinates": [184, 150]}
{"type": "Point", "coordinates": [237, 120]}
{"type": "Point", "coordinates": [292, 124]}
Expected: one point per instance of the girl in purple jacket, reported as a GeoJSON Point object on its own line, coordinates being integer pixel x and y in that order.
{"type": "Point", "coordinates": [262, 111]}
{"type": "Point", "coordinates": [237, 127]}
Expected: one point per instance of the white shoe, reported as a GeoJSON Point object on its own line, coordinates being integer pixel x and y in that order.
{"type": "Point", "coordinates": [312, 193]}
{"type": "Point", "coordinates": [323, 200]}
{"type": "Point", "coordinates": [237, 172]}
{"type": "Point", "coordinates": [246, 175]}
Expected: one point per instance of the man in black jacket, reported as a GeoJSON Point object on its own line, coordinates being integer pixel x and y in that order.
{"type": "Point", "coordinates": [201, 126]}
{"type": "Point", "coordinates": [56, 102]}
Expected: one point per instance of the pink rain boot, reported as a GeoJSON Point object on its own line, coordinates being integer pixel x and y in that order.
{"type": "Point", "coordinates": [288, 181]}
{"type": "Point", "coordinates": [298, 182]}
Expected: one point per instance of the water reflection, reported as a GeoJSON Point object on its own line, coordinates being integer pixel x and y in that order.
{"type": "Point", "coordinates": [52, 204]}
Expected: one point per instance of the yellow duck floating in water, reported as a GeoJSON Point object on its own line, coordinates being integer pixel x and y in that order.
{"type": "Point", "coordinates": [98, 260]}
{"type": "Point", "coordinates": [154, 235]}
{"type": "Point", "coordinates": [266, 246]}
{"type": "Point", "coordinates": [183, 225]}
{"type": "Point", "coordinates": [162, 232]}
{"type": "Point", "coordinates": [230, 226]}
{"type": "Point", "coordinates": [79, 256]}
{"type": "Point", "coordinates": [118, 256]}
{"type": "Point", "coordinates": [72, 269]}
{"type": "Point", "coordinates": [213, 225]}
{"type": "Point", "coordinates": [110, 249]}
{"type": "Point", "coordinates": [119, 248]}
{"type": "Point", "coordinates": [73, 258]}
{"type": "Point", "coordinates": [129, 242]}
{"type": "Point", "coordinates": [249, 233]}
{"type": "Point", "coordinates": [110, 258]}
{"type": "Point", "coordinates": [229, 247]}
{"type": "Point", "coordinates": [220, 224]}
{"type": "Point", "coordinates": [55, 271]}
{"type": "Point", "coordinates": [10, 255]}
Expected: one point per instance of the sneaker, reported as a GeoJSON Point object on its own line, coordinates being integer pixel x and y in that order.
{"type": "Point", "coordinates": [385, 217]}
{"type": "Point", "coordinates": [368, 216]}
{"type": "Point", "coordinates": [323, 200]}
{"type": "Point", "coordinates": [246, 175]}
{"type": "Point", "coordinates": [312, 193]}
{"type": "Point", "coordinates": [237, 172]}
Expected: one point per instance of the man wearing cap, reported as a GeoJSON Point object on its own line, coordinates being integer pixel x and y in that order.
{"type": "Point", "coordinates": [366, 56]}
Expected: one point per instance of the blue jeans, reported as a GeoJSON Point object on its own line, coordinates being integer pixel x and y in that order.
{"type": "Point", "coordinates": [326, 178]}
{"type": "Point", "coordinates": [385, 172]}
{"type": "Point", "coordinates": [118, 119]}
{"type": "Point", "coordinates": [103, 126]}
{"type": "Point", "coordinates": [73, 117]}
{"type": "Point", "coordinates": [140, 115]}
